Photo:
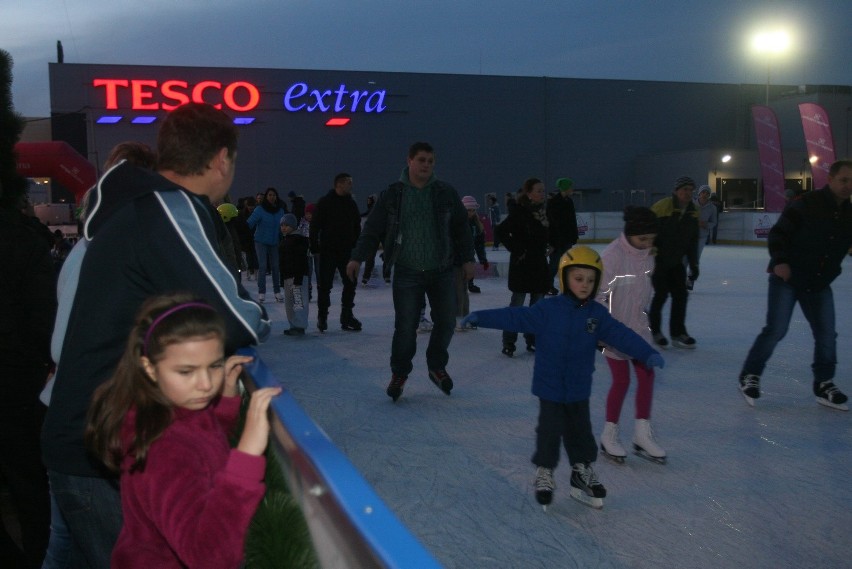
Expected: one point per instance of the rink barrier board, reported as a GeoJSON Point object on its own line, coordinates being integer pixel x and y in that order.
{"type": "Point", "coordinates": [350, 526]}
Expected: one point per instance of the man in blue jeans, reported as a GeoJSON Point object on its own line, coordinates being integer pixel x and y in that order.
{"type": "Point", "coordinates": [806, 247]}
{"type": "Point", "coordinates": [148, 233]}
{"type": "Point", "coordinates": [423, 225]}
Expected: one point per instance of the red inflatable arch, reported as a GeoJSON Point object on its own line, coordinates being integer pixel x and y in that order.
{"type": "Point", "coordinates": [56, 160]}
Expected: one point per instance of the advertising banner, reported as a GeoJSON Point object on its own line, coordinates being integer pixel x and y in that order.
{"type": "Point", "coordinates": [761, 223]}
{"type": "Point", "coordinates": [818, 140]}
{"type": "Point", "coordinates": [771, 160]}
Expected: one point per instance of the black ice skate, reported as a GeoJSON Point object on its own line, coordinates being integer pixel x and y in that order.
{"type": "Point", "coordinates": [750, 387]}
{"type": "Point", "coordinates": [827, 394]}
{"type": "Point", "coordinates": [348, 322]}
{"type": "Point", "coordinates": [661, 340]}
{"type": "Point", "coordinates": [442, 379]}
{"type": "Point", "coordinates": [684, 341]}
{"type": "Point", "coordinates": [508, 349]}
{"type": "Point", "coordinates": [322, 323]}
{"type": "Point", "coordinates": [544, 486]}
{"type": "Point", "coordinates": [395, 386]}
{"type": "Point", "coordinates": [585, 487]}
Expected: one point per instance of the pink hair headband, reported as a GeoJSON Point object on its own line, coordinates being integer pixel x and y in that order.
{"type": "Point", "coordinates": [167, 313]}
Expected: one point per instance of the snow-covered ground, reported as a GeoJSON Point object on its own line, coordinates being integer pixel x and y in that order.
{"type": "Point", "coordinates": [744, 487]}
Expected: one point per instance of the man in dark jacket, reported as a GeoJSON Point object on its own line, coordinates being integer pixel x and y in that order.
{"type": "Point", "coordinates": [335, 228]}
{"type": "Point", "coordinates": [423, 225]}
{"type": "Point", "coordinates": [562, 218]}
{"type": "Point", "coordinates": [149, 233]}
{"type": "Point", "coordinates": [677, 238]}
{"type": "Point", "coordinates": [806, 248]}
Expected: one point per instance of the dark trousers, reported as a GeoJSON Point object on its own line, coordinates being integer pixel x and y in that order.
{"type": "Point", "coordinates": [328, 264]}
{"type": "Point", "coordinates": [568, 423]}
{"type": "Point", "coordinates": [669, 281]}
{"type": "Point", "coordinates": [26, 477]}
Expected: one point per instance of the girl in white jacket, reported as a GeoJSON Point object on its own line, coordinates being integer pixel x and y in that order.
{"type": "Point", "coordinates": [626, 288]}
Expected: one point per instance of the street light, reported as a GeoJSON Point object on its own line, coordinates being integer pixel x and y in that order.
{"type": "Point", "coordinates": [770, 43]}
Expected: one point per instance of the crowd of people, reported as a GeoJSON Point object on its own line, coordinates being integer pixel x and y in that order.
{"type": "Point", "coordinates": [138, 338]}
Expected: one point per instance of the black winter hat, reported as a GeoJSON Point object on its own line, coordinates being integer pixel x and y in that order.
{"type": "Point", "coordinates": [684, 181]}
{"type": "Point", "coordinates": [639, 220]}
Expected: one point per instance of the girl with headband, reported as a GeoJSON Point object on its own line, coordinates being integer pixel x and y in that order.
{"type": "Point", "coordinates": [163, 421]}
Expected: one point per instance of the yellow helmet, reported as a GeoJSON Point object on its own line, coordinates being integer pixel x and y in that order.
{"type": "Point", "coordinates": [580, 256]}
{"type": "Point", "coordinates": [228, 211]}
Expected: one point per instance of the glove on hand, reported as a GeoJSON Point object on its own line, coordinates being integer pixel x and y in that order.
{"type": "Point", "coordinates": [471, 319]}
{"type": "Point", "coordinates": [693, 273]}
{"type": "Point", "coordinates": [655, 360]}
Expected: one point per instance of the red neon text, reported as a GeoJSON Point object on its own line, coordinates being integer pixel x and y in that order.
{"type": "Point", "coordinates": [150, 95]}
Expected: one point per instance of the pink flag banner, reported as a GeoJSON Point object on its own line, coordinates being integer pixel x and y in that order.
{"type": "Point", "coordinates": [771, 160]}
{"type": "Point", "coordinates": [818, 140]}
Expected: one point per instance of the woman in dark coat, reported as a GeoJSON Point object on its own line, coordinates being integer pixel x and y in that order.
{"type": "Point", "coordinates": [524, 233]}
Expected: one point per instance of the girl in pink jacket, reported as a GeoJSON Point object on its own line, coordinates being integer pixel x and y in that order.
{"type": "Point", "coordinates": [626, 288]}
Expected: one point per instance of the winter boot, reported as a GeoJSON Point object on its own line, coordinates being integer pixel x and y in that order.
{"type": "Point", "coordinates": [585, 486]}
{"type": "Point", "coordinates": [322, 322]}
{"type": "Point", "coordinates": [750, 387]}
{"type": "Point", "coordinates": [827, 394]}
{"type": "Point", "coordinates": [508, 349]}
{"type": "Point", "coordinates": [644, 444]}
{"type": "Point", "coordinates": [348, 322]}
{"type": "Point", "coordinates": [544, 486]}
{"type": "Point", "coordinates": [395, 386]}
{"type": "Point", "coordinates": [610, 445]}
{"type": "Point", "coordinates": [442, 379]}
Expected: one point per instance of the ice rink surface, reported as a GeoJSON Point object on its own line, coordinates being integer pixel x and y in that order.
{"type": "Point", "coordinates": [744, 487]}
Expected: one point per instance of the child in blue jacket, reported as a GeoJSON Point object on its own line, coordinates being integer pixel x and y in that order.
{"type": "Point", "coordinates": [567, 329]}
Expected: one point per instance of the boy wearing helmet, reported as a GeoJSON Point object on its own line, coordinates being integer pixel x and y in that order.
{"type": "Point", "coordinates": [230, 239]}
{"type": "Point", "coordinates": [567, 329]}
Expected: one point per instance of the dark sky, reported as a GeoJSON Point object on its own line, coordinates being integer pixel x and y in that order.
{"type": "Point", "coordinates": [686, 40]}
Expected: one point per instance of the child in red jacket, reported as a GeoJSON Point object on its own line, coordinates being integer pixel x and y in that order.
{"type": "Point", "coordinates": [163, 420]}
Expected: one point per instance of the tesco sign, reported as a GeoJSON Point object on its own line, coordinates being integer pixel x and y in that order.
{"type": "Point", "coordinates": [238, 96]}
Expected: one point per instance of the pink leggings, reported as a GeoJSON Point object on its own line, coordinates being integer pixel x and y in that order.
{"type": "Point", "coordinates": [621, 381]}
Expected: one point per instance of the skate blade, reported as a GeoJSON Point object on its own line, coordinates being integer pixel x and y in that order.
{"type": "Point", "coordinates": [586, 500]}
{"type": "Point", "coordinates": [830, 405]}
{"type": "Point", "coordinates": [649, 458]}
{"type": "Point", "coordinates": [612, 457]}
{"type": "Point", "coordinates": [748, 399]}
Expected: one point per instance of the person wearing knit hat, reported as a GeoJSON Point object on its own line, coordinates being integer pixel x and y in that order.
{"type": "Point", "coordinates": [563, 233]}
{"type": "Point", "coordinates": [708, 217]}
{"type": "Point", "coordinates": [289, 220]}
{"type": "Point", "coordinates": [626, 288]}
{"type": "Point", "coordinates": [477, 229]}
{"type": "Point", "coordinates": [677, 238]}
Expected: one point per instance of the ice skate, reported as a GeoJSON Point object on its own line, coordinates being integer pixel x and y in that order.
{"type": "Point", "coordinates": [644, 444]}
{"type": "Point", "coordinates": [544, 486]}
{"type": "Point", "coordinates": [349, 323]}
{"type": "Point", "coordinates": [585, 487]}
{"type": "Point", "coordinates": [661, 340]}
{"type": "Point", "coordinates": [279, 297]}
{"type": "Point", "coordinates": [442, 379]}
{"type": "Point", "coordinates": [395, 386]}
{"type": "Point", "coordinates": [610, 445]}
{"type": "Point", "coordinates": [261, 298]}
{"type": "Point", "coordinates": [322, 323]}
{"type": "Point", "coordinates": [827, 394]}
{"type": "Point", "coordinates": [750, 387]}
{"type": "Point", "coordinates": [683, 341]}
{"type": "Point", "coordinates": [425, 325]}
{"type": "Point", "coordinates": [508, 349]}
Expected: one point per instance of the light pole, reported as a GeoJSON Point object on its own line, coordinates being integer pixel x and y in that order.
{"type": "Point", "coordinates": [770, 44]}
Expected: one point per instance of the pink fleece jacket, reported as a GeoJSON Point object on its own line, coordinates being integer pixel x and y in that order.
{"type": "Point", "coordinates": [192, 504]}
{"type": "Point", "coordinates": [626, 287]}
